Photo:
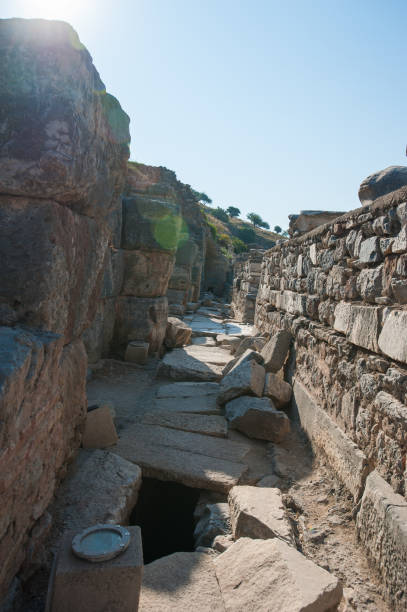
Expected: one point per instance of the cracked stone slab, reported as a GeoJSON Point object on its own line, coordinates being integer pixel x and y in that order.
{"type": "Point", "coordinates": [188, 389]}
{"type": "Point", "coordinates": [192, 459]}
{"type": "Point", "coordinates": [195, 362]}
{"type": "Point", "coordinates": [209, 425]}
{"type": "Point", "coordinates": [199, 405]}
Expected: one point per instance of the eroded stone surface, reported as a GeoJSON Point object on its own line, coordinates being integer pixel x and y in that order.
{"type": "Point", "coordinates": [276, 350]}
{"type": "Point", "coordinates": [246, 378]}
{"type": "Point", "coordinates": [258, 512]}
{"type": "Point", "coordinates": [257, 418]}
{"type": "Point", "coordinates": [253, 573]}
{"type": "Point", "coordinates": [277, 389]}
{"type": "Point", "coordinates": [209, 425]}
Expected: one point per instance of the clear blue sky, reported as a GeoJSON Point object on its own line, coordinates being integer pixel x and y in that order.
{"type": "Point", "coordinates": [271, 106]}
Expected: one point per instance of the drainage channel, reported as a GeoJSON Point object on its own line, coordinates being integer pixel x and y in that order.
{"type": "Point", "coordinates": [165, 514]}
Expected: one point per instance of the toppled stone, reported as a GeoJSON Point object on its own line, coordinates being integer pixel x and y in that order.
{"type": "Point", "coordinates": [180, 582]}
{"type": "Point", "coordinates": [178, 333]}
{"type": "Point", "coordinates": [254, 343]}
{"type": "Point", "coordinates": [248, 355]}
{"type": "Point", "coordinates": [277, 389]}
{"type": "Point", "coordinates": [393, 337]}
{"type": "Point", "coordinates": [254, 573]}
{"type": "Point", "coordinates": [246, 378]}
{"type": "Point", "coordinates": [381, 183]}
{"type": "Point", "coordinates": [100, 431]}
{"type": "Point", "coordinates": [276, 351]}
{"type": "Point", "coordinates": [209, 425]}
{"type": "Point", "coordinates": [257, 418]}
{"type": "Point", "coordinates": [214, 521]}
{"type": "Point", "coordinates": [194, 363]}
{"type": "Point", "coordinates": [100, 488]}
{"type": "Point", "coordinates": [258, 512]}
{"type": "Point", "coordinates": [137, 352]}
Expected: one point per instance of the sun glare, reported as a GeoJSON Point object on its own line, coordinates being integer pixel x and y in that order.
{"type": "Point", "coordinates": [65, 10]}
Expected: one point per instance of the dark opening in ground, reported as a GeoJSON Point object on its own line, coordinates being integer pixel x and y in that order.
{"type": "Point", "coordinates": [164, 512]}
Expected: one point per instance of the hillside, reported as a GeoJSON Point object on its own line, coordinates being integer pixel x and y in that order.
{"type": "Point", "coordinates": [239, 234]}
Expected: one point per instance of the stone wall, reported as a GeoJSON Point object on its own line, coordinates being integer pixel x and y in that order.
{"type": "Point", "coordinates": [246, 278]}
{"type": "Point", "coordinates": [63, 155]}
{"type": "Point", "coordinates": [341, 291]}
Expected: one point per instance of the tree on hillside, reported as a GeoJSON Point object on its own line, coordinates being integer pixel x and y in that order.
{"type": "Point", "coordinates": [221, 214]}
{"type": "Point", "coordinates": [233, 211]}
{"type": "Point", "coordinates": [202, 197]}
{"type": "Point", "coordinates": [255, 219]}
{"type": "Point", "coordinates": [265, 225]}
{"type": "Point", "coordinates": [277, 229]}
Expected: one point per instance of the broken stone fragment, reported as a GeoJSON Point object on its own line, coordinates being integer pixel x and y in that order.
{"type": "Point", "coordinates": [264, 575]}
{"type": "Point", "coordinates": [100, 431]}
{"type": "Point", "coordinates": [137, 352]}
{"type": "Point", "coordinates": [246, 378]}
{"type": "Point", "coordinates": [276, 351]}
{"type": "Point", "coordinates": [277, 389]}
{"type": "Point", "coordinates": [257, 418]}
{"type": "Point", "coordinates": [254, 343]}
{"type": "Point", "coordinates": [258, 512]}
{"type": "Point", "coordinates": [248, 355]}
{"type": "Point", "coordinates": [214, 521]}
{"type": "Point", "coordinates": [177, 334]}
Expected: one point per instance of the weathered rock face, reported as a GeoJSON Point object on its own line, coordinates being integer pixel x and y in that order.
{"type": "Point", "coordinates": [218, 272]}
{"type": "Point", "coordinates": [63, 153]}
{"type": "Point", "coordinates": [65, 139]}
{"type": "Point", "coordinates": [337, 291]}
{"type": "Point", "coordinates": [383, 182]}
{"type": "Point", "coordinates": [246, 277]}
{"type": "Point", "coordinates": [308, 220]}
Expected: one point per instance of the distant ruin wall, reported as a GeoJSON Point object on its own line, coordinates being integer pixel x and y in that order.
{"type": "Point", "coordinates": [246, 278]}
{"type": "Point", "coordinates": [342, 292]}
{"type": "Point", "coordinates": [63, 155]}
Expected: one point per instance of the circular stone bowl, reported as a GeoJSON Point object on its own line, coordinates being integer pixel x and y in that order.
{"type": "Point", "coordinates": [101, 542]}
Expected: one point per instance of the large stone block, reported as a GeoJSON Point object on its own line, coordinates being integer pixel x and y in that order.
{"type": "Point", "coordinates": [147, 273]}
{"type": "Point", "coordinates": [64, 137]}
{"type": "Point", "coordinates": [277, 389]}
{"type": "Point", "coordinates": [98, 336]}
{"type": "Point", "coordinates": [51, 265]}
{"type": "Point", "coordinates": [276, 351]}
{"type": "Point", "coordinates": [382, 528]}
{"type": "Point", "coordinates": [349, 463]}
{"type": "Point", "coordinates": [178, 333]}
{"type": "Point", "coordinates": [360, 324]}
{"type": "Point", "coordinates": [393, 337]}
{"type": "Point", "coordinates": [42, 408]}
{"type": "Point", "coordinates": [264, 575]}
{"type": "Point", "coordinates": [258, 512]}
{"type": "Point", "coordinates": [150, 223]}
{"type": "Point", "coordinates": [246, 378]}
{"type": "Point", "coordinates": [140, 319]}
{"type": "Point", "coordinates": [257, 418]}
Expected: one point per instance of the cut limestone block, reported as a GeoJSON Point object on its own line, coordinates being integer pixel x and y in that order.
{"type": "Point", "coordinates": [193, 362]}
{"type": "Point", "coordinates": [181, 582]}
{"type": "Point", "coordinates": [209, 425]}
{"type": "Point", "coordinates": [100, 488]}
{"type": "Point", "coordinates": [244, 379]}
{"type": "Point", "coordinates": [248, 355]}
{"type": "Point", "coordinates": [100, 431]}
{"type": "Point", "coordinates": [204, 404]}
{"type": "Point", "coordinates": [197, 461]}
{"type": "Point", "coordinates": [382, 528]}
{"type": "Point", "coordinates": [112, 585]}
{"type": "Point", "coordinates": [277, 389]}
{"type": "Point", "coordinates": [258, 512]}
{"type": "Point", "coordinates": [254, 343]}
{"type": "Point", "coordinates": [347, 460]}
{"type": "Point", "coordinates": [188, 389]}
{"type": "Point", "coordinates": [393, 337]}
{"type": "Point", "coordinates": [177, 334]}
{"type": "Point", "coordinates": [264, 575]}
{"type": "Point", "coordinates": [276, 351]}
{"type": "Point", "coordinates": [257, 418]}
{"type": "Point", "coordinates": [137, 352]}
{"type": "Point", "coordinates": [214, 521]}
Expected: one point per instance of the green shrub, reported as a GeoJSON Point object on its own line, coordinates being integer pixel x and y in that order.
{"type": "Point", "coordinates": [225, 240]}
{"type": "Point", "coordinates": [220, 214]}
{"type": "Point", "coordinates": [238, 245]}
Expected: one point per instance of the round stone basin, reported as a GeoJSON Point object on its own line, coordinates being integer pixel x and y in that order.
{"type": "Point", "coordinates": [101, 542]}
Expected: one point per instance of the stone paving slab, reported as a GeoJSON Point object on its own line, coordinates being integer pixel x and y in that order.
{"type": "Point", "coordinates": [188, 389]}
{"type": "Point", "coordinates": [209, 425]}
{"type": "Point", "coordinates": [161, 458]}
{"type": "Point", "coordinates": [197, 405]}
{"type": "Point", "coordinates": [195, 363]}
{"type": "Point", "coordinates": [179, 583]}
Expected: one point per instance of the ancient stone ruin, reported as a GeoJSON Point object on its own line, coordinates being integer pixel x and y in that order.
{"type": "Point", "coordinates": [254, 452]}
